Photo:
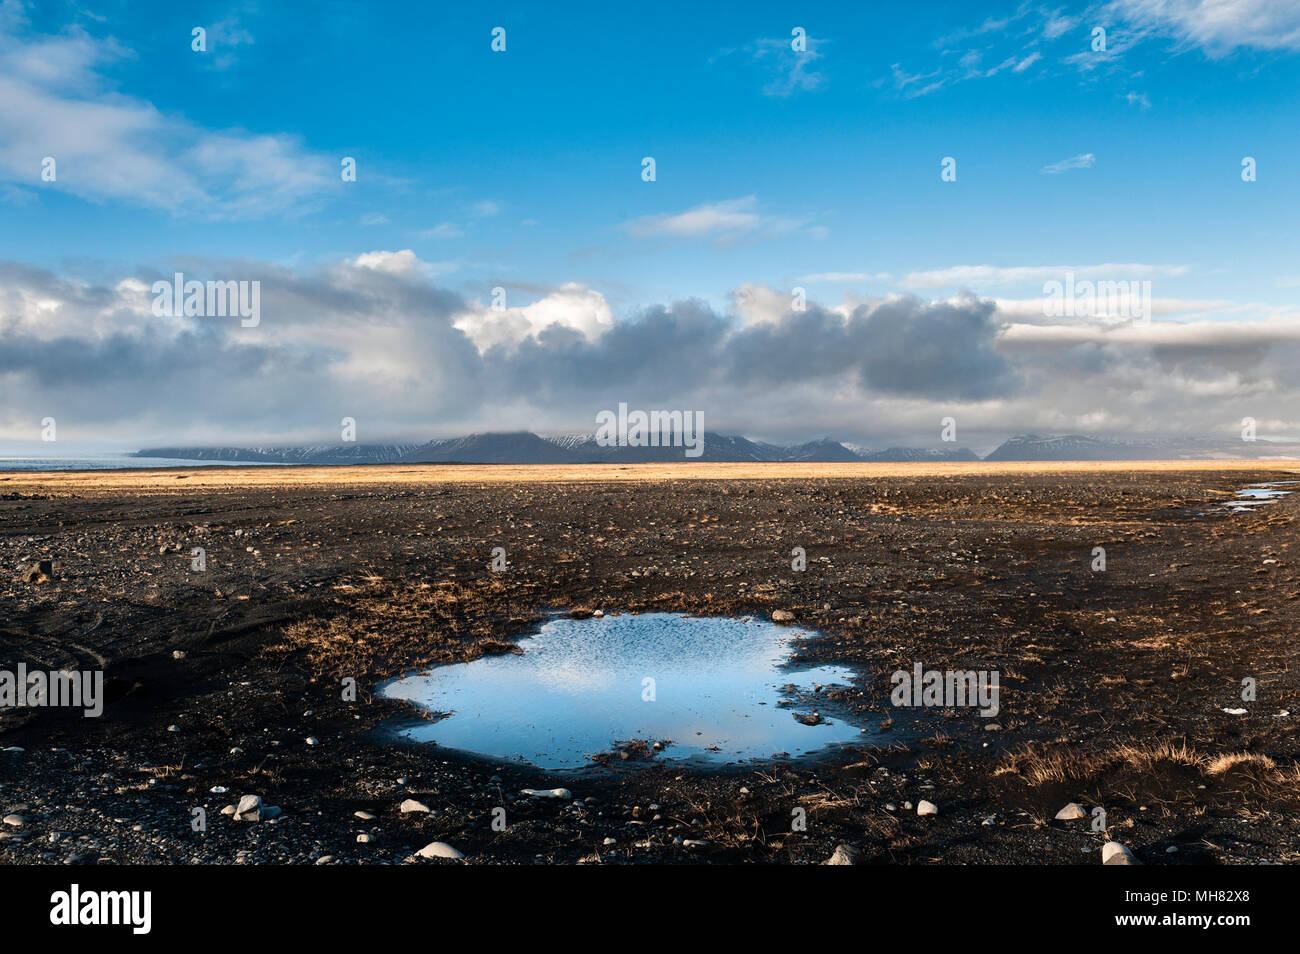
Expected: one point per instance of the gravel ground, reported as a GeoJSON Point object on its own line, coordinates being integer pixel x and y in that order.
{"type": "Point", "coordinates": [230, 682]}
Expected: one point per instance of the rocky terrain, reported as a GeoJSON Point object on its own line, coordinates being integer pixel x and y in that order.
{"type": "Point", "coordinates": [228, 688]}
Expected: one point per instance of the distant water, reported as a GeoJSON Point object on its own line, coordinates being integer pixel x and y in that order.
{"type": "Point", "coordinates": [109, 462]}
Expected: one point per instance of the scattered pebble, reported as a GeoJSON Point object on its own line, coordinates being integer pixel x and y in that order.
{"type": "Point", "coordinates": [439, 849]}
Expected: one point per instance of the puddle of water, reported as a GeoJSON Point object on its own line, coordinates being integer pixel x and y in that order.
{"type": "Point", "coordinates": [722, 692]}
{"type": "Point", "coordinates": [1248, 498]}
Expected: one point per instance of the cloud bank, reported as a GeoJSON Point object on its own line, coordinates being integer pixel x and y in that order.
{"type": "Point", "coordinates": [374, 337]}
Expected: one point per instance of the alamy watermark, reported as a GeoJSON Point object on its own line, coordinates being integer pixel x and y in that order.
{"type": "Point", "coordinates": [214, 299]}
{"type": "Point", "coordinates": [651, 429]}
{"type": "Point", "coordinates": [1100, 299]}
{"type": "Point", "coordinates": [951, 688]}
{"type": "Point", "coordinates": [133, 909]}
{"type": "Point", "coordinates": [39, 689]}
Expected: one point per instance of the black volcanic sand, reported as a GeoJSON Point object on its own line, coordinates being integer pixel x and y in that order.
{"type": "Point", "coordinates": [1113, 683]}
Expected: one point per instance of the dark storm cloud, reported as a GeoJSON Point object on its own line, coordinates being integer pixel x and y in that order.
{"type": "Point", "coordinates": [905, 346]}
{"type": "Point", "coordinates": [932, 349]}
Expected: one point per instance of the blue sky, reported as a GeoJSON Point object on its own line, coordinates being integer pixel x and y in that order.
{"type": "Point", "coordinates": [775, 169]}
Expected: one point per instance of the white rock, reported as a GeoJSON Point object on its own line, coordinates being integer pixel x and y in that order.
{"type": "Point", "coordinates": [1113, 853]}
{"type": "Point", "coordinates": [599, 614]}
{"type": "Point", "coordinates": [364, 839]}
{"type": "Point", "coordinates": [364, 816]}
{"type": "Point", "coordinates": [14, 821]}
{"type": "Point", "coordinates": [439, 849]}
{"type": "Point", "coordinates": [926, 808]}
{"type": "Point", "coordinates": [843, 855]}
{"type": "Point", "coordinates": [411, 805]}
{"type": "Point", "coordinates": [782, 616]}
{"type": "Point", "coordinates": [547, 793]}
{"type": "Point", "coordinates": [1235, 711]}
{"type": "Point", "coordinates": [249, 808]}
{"type": "Point", "coordinates": [1071, 812]}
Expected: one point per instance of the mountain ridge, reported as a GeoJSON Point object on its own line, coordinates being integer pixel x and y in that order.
{"type": "Point", "coordinates": [525, 447]}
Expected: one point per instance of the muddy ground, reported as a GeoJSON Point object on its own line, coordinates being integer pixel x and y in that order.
{"type": "Point", "coordinates": [1113, 682]}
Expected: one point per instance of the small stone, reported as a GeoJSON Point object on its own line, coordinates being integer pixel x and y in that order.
{"type": "Point", "coordinates": [15, 821]}
{"type": "Point", "coordinates": [178, 654]}
{"type": "Point", "coordinates": [610, 841]}
{"type": "Point", "coordinates": [563, 793]}
{"type": "Point", "coordinates": [843, 855]}
{"type": "Point", "coordinates": [782, 616]}
{"type": "Point", "coordinates": [364, 816]}
{"type": "Point", "coordinates": [365, 838]}
{"type": "Point", "coordinates": [924, 807]}
{"type": "Point", "coordinates": [311, 740]}
{"type": "Point", "coordinates": [439, 849]}
{"type": "Point", "coordinates": [411, 805]}
{"type": "Point", "coordinates": [599, 614]}
{"type": "Point", "coordinates": [249, 808]}
{"type": "Point", "coordinates": [1113, 853]}
{"type": "Point", "coordinates": [1071, 812]}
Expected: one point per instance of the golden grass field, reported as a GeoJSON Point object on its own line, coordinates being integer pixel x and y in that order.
{"type": "Point", "coordinates": [226, 477]}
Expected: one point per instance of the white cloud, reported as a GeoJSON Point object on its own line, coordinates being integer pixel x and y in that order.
{"type": "Point", "coordinates": [756, 303]}
{"type": "Point", "coordinates": [1218, 26]}
{"type": "Point", "coordinates": [572, 306]}
{"type": "Point", "coordinates": [979, 277]}
{"type": "Point", "coordinates": [731, 220]}
{"type": "Point", "coordinates": [846, 277]}
{"type": "Point", "coordinates": [404, 263]}
{"type": "Point", "coordinates": [1081, 161]}
{"type": "Point", "coordinates": [443, 230]}
{"type": "Point", "coordinates": [110, 146]}
{"type": "Point", "coordinates": [1058, 25]}
{"type": "Point", "coordinates": [793, 70]}
{"type": "Point", "coordinates": [732, 215]}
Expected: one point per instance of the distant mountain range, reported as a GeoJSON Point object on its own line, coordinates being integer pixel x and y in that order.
{"type": "Point", "coordinates": [524, 447]}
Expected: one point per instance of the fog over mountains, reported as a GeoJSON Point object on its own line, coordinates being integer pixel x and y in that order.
{"type": "Point", "coordinates": [524, 447]}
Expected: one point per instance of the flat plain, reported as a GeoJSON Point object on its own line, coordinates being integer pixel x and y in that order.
{"type": "Point", "coordinates": [1114, 682]}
